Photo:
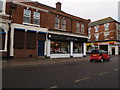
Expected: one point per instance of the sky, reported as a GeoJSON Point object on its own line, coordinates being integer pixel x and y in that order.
{"type": "Point", "coordinates": [87, 9]}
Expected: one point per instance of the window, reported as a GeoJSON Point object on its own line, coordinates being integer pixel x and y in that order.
{"type": "Point", "coordinates": [63, 22]}
{"type": "Point", "coordinates": [36, 18]}
{"type": "Point", "coordinates": [2, 39]}
{"type": "Point", "coordinates": [58, 47]}
{"type": "Point", "coordinates": [106, 26]}
{"type": "Point", "coordinates": [77, 27]}
{"type": "Point", "coordinates": [96, 28]}
{"type": "Point", "coordinates": [77, 48]}
{"type": "Point", "coordinates": [82, 28]}
{"type": "Point", "coordinates": [117, 26]}
{"type": "Point", "coordinates": [27, 16]}
{"type": "Point", "coordinates": [1, 6]}
{"type": "Point", "coordinates": [96, 36]}
{"type": "Point", "coordinates": [106, 34]}
{"type": "Point", "coordinates": [89, 30]}
{"type": "Point", "coordinates": [57, 22]}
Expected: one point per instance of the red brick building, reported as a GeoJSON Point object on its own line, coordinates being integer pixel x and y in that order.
{"type": "Point", "coordinates": [37, 30]}
{"type": "Point", "coordinates": [105, 34]}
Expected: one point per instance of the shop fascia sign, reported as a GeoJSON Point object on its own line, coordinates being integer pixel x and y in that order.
{"type": "Point", "coordinates": [107, 43]}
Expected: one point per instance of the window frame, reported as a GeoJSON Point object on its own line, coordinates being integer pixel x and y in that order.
{"type": "Point", "coordinates": [106, 26]}
{"type": "Point", "coordinates": [82, 28]}
{"type": "Point", "coordinates": [36, 17]}
{"type": "Point", "coordinates": [26, 16]}
{"type": "Point", "coordinates": [77, 27]}
{"type": "Point", "coordinates": [63, 23]}
{"type": "Point", "coordinates": [57, 22]}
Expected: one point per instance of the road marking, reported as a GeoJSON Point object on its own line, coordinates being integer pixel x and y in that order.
{"type": "Point", "coordinates": [103, 73]}
{"type": "Point", "coordinates": [116, 69]}
{"type": "Point", "coordinates": [86, 78]}
{"type": "Point", "coordinates": [54, 87]}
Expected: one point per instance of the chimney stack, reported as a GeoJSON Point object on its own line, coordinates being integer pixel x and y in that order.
{"type": "Point", "coordinates": [58, 5]}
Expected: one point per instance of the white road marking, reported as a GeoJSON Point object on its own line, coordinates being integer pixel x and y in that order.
{"type": "Point", "coordinates": [103, 73]}
{"type": "Point", "coordinates": [54, 87]}
{"type": "Point", "coordinates": [116, 69]}
{"type": "Point", "coordinates": [81, 79]}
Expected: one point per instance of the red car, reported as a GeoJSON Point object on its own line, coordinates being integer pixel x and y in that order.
{"type": "Point", "coordinates": [99, 55]}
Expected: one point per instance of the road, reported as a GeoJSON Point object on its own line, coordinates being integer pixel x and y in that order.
{"type": "Point", "coordinates": [82, 74]}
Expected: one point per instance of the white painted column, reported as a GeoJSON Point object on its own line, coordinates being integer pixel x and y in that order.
{"type": "Point", "coordinates": [109, 50]}
{"type": "Point", "coordinates": [47, 48]}
{"type": "Point", "coordinates": [116, 50]}
{"type": "Point", "coordinates": [71, 48]}
{"type": "Point", "coordinates": [12, 41]}
{"type": "Point", "coordinates": [84, 49]}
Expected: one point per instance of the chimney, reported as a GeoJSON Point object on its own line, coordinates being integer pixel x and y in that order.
{"type": "Point", "coordinates": [58, 5]}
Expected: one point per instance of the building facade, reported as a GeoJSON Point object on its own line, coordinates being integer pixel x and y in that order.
{"type": "Point", "coordinates": [105, 34]}
{"type": "Point", "coordinates": [37, 30]}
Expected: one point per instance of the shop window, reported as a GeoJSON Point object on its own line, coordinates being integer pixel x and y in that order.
{"type": "Point", "coordinates": [19, 39]}
{"type": "Point", "coordinates": [77, 27]}
{"type": "Point", "coordinates": [31, 39]}
{"type": "Point", "coordinates": [27, 16]}
{"type": "Point", "coordinates": [77, 48]}
{"type": "Point", "coordinates": [36, 18]}
{"type": "Point", "coordinates": [60, 47]}
{"type": "Point", "coordinates": [63, 22]}
{"type": "Point", "coordinates": [57, 22]}
{"type": "Point", "coordinates": [2, 39]}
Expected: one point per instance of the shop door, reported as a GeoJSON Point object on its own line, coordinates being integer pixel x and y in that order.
{"type": "Point", "coordinates": [40, 48]}
{"type": "Point", "coordinates": [113, 50]}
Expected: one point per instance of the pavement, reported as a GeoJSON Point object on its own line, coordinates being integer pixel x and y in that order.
{"type": "Point", "coordinates": [40, 61]}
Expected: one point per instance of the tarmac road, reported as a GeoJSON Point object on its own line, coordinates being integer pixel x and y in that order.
{"type": "Point", "coordinates": [79, 74]}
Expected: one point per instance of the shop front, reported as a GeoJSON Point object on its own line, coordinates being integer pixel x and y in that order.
{"type": "Point", "coordinates": [62, 46]}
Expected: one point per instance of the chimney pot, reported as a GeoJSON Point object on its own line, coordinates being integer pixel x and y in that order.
{"type": "Point", "coordinates": [58, 5]}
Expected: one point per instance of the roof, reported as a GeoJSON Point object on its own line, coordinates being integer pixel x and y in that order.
{"type": "Point", "coordinates": [102, 21]}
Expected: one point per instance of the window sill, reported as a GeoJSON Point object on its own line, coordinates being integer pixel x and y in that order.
{"type": "Point", "coordinates": [31, 24]}
{"type": "Point", "coordinates": [3, 50]}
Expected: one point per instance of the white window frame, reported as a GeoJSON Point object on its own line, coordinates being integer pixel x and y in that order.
{"type": "Point", "coordinates": [63, 23]}
{"type": "Point", "coordinates": [89, 30]}
{"type": "Point", "coordinates": [36, 17]}
{"type": "Point", "coordinates": [106, 35]}
{"type": "Point", "coordinates": [3, 7]}
{"type": "Point", "coordinates": [82, 28]}
{"type": "Point", "coordinates": [96, 28]}
{"type": "Point", "coordinates": [117, 26]}
{"type": "Point", "coordinates": [77, 27]}
{"type": "Point", "coordinates": [96, 36]}
{"type": "Point", "coordinates": [57, 22]}
{"type": "Point", "coordinates": [106, 26]}
{"type": "Point", "coordinates": [26, 16]}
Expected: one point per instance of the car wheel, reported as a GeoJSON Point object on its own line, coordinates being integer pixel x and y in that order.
{"type": "Point", "coordinates": [91, 60]}
{"type": "Point", "coordinates": [101, 60]}
{"type": "Point", "coordinates": [108, 59]}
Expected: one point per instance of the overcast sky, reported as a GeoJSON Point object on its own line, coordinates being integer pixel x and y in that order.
{"type": "Point", "coordinates": [87, 9]}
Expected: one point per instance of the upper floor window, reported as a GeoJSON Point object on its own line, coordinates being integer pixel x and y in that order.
{"type": "Point", "coordinates": [106, 34]}
{"type": "Point", "coordinates": [63, 23]}
{"type": "Point", "coordinates": [82, 28]}
{"type": "Point", "coordinates": [96, 28]}
{"type": "Point", "coordinates": [1, 6]}
{"type": "Point", "coordinates": [27, 16]}
{"type": "Point", "coordinates": [106, 26]}
{"type": "Point", "coordinates": [117, 26]}
{"type": "Point", "coordinates": [77, 27]}
{"type": "Point", "coordinates": [89, 30]}
{"type": "Point", "coordinates": [57, 22]}
{"type": "Point", "coordinates": [36, 18]}
{"type": "Point", "coordinates": [96, 36]}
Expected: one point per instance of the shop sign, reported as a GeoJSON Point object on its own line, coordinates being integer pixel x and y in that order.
{"type": "Point", "coordinates": [66, 38]}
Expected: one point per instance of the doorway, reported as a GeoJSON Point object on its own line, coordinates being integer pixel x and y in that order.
{"type": "Point", "coordinates": [113, 50]}
{"type": "Point", "coordinates": [40, 48]}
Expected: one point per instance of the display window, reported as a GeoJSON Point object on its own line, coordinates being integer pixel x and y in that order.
{"type": "Point", "coordinates": [58, 47]}
{"type": "Point", "coordinates": [77, 48]}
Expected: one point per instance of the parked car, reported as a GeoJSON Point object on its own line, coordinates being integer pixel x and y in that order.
{"type": "Point", "coordinates": [99, 55]}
